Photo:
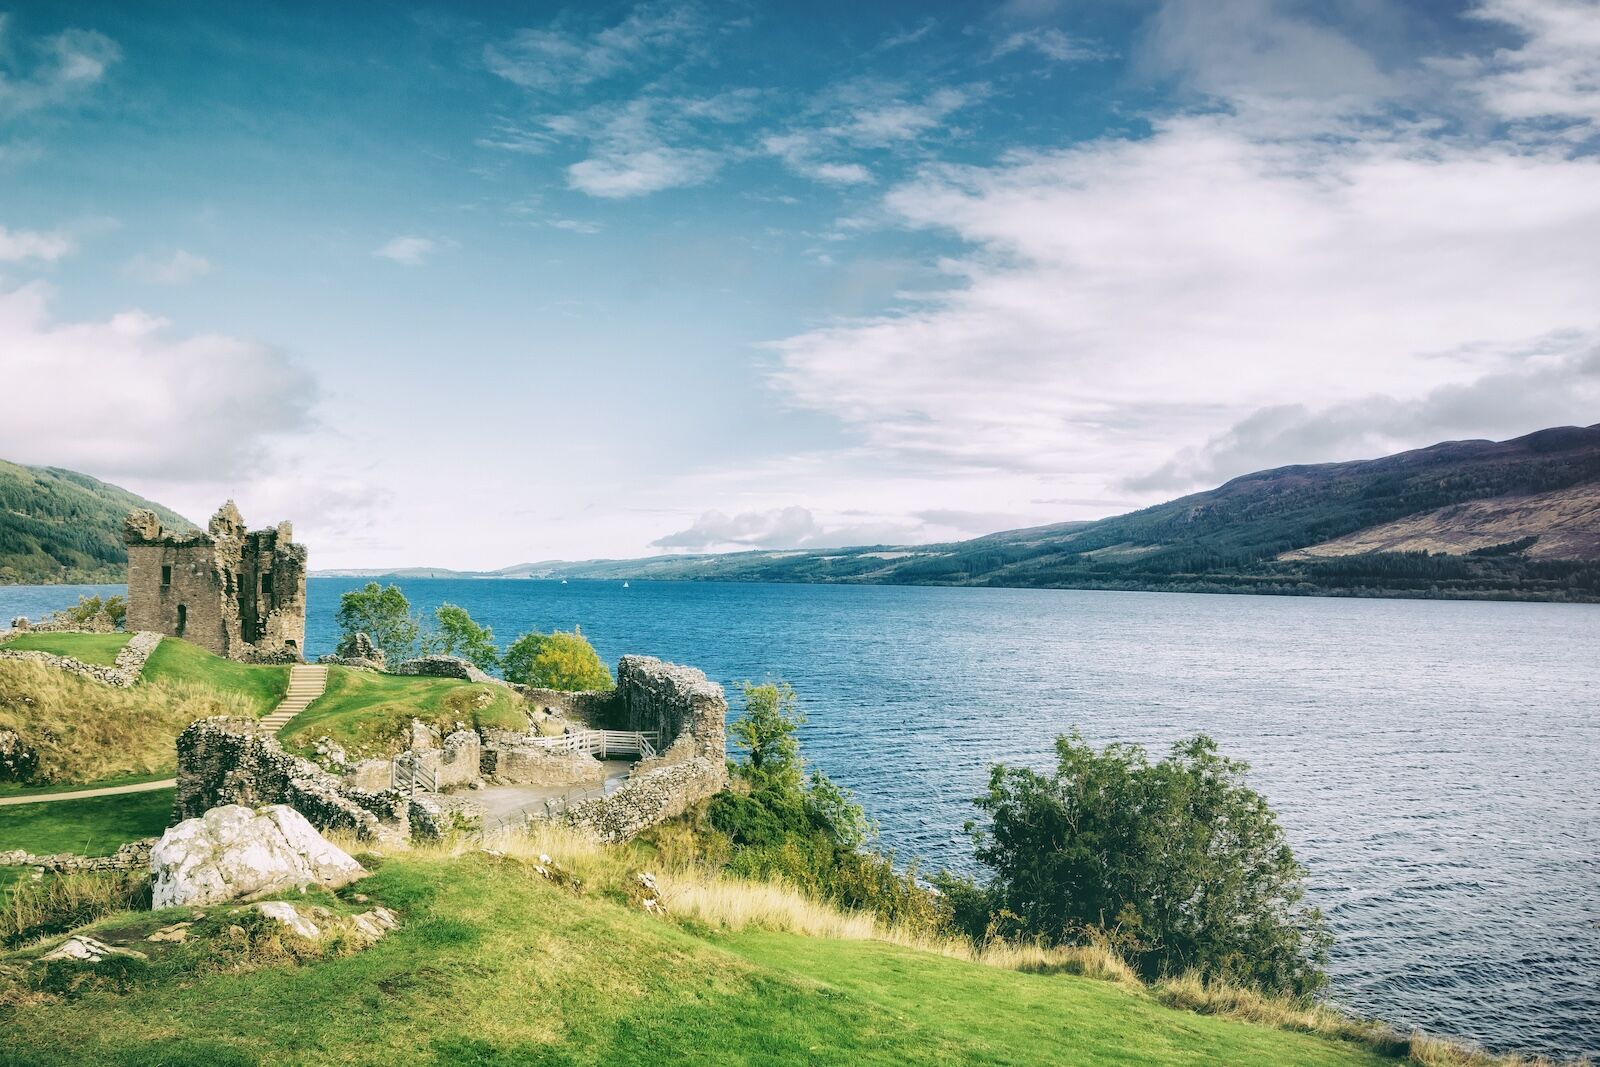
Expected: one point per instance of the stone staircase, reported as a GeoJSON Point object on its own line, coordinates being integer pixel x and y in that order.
{"type": "Point", "coordinates": [306, 683]}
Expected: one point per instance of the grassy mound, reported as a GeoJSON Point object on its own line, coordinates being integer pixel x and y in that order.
{"type": "Point", "coordinates": [261, 687]}
{"type": "Point", "coordinates": [496, 965]}
{"type": "Point", "coordinates": [87, 732]}
{"type": "Point", "coordinates": [370, 714]}
{"type": "Point", "coordinates": [89, 648]}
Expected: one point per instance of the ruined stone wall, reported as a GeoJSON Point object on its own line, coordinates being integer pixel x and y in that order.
{"type": "Point", "coordinates": [122, 674]}
{"type": "Point", "coordinates": [227, 761]}
{"type": "Point", "coordinates": [690, 712]}
{"type": "Point", "coordinates": [236, 593]}
{"type": "Point", "coordinates": [647, 798]}
{"type": "Point", "coordinates": [687, 708]}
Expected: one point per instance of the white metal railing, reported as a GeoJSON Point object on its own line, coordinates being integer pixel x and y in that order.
{"type": "Point", "coordinates": [602, 743]}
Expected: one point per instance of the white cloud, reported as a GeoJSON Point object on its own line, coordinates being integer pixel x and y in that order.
{"type": "Point", "coordinates": [559, 59]}
{"type": "Point", "coordinates": [779, 528]}
{"type": "Point", "coordinates": [63, 66]}
{"type": "Point", "coordinates": [637, 172]}
{"type": "Point", "coordinates": [17, 246]}
{"type": "Point", "coordinates": [1555, 72]}
{"type": "Point", "coordinates": [407, 249]}
{"type": "Point", "coordinates": [123, 397]}
{"type": "Point", "coordinates": [1050, 43]}
{"type": "Point", "coordinates": [575, 226]}
{"type": "Point", "coordinates": [1261, 55]}
{"type": "Point", "coordinates": [1125, 294]}
{"type": "Point", "coordinates": [176, 269]}
{"type": "Point", "coordinates": [1557, 383]}
{"type": "Point", "coordinates": [799, 151]}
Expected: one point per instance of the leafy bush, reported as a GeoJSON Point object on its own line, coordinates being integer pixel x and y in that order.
{"type": "Point", "coordinates": [384, 614]}
{"type": "Point", "coordinates": [1177, 863]}
{"type": "Point", "coordinates": [90, 608]}
{"type": "Point", "coordinates": [559, 660]}
{"type": "Point", "coordinates": [780, 822]}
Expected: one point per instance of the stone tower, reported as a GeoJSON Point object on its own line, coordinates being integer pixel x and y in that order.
{"type": "Point", "coordinates": [238, 593]}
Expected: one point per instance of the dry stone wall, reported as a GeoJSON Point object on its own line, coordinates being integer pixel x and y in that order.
{"type": "Point", "coordinates": [124, 673]}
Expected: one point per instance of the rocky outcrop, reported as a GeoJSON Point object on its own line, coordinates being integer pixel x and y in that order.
{"type": "Point", "coordinates": [314, 922]}
{"type": "Point", "coordinates": [228, 761]}
{"type": "Point", "coordinates": [234, 852]}
{"type": "Point", "coordinates": [129, 663]}
{"type": "Point", "coordinates": [356, 650]}
{"type": "Point", "coordinates": [19, 761]}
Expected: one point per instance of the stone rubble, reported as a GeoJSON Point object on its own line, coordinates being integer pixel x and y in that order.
{"type": "Point", "coordinates": [85, 949]}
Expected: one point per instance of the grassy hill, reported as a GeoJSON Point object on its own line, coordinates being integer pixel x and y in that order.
{"type": "Point", "coordinates": [1511, 519]}
{"type": "Point", "coordinates": [495, 965]}
{"type": "Point", "coordinates": [130, 733]}
{"type": "Point", "coordinates": [61, 526]}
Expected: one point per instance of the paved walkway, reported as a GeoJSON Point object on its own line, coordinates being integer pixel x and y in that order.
{"type": "Point", "coordinates": [82, 794]}
{"type": "Point", "coordinates": [306, 683]}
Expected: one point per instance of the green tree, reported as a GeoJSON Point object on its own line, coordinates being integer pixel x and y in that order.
{"type": "Point", "coordinates": [460, 635]}
{"type": "Point", "coordinates": [1178, 863]}
{"type": "Point", "coordinates": [557, 660]}
{"type": "Point", "coordinates": [767, 735]}
{"type": "Point", "coordinates": [384, 614]}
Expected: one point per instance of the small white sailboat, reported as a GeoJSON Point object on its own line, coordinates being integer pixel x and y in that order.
{"type": "Point", "coordinates": [624, 585]}
{"type": "Point", "coordinates": [563, 581]}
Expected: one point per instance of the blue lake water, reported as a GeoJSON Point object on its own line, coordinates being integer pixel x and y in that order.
{"type": "Point", "coordinates": [1436, 764]}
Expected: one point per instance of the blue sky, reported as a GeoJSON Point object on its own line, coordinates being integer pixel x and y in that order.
{"type": "Point", "coordinates": [473, 286]}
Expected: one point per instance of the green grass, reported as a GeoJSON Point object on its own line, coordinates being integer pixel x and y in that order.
{"type": "Point", "coordinates": [21, 789]}
{"type": "Point", "coordinates": [370, 714]}
{"type": "Point", "coordinates": [92, 827]}
{"type": "Point", "coordinates": [262, 685]}
{"type": "Point", "coordinates": [493, 966]}
{"type": "Point", "coordinates": [90, 648]}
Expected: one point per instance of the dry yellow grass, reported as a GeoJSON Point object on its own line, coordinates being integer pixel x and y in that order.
{"type": "Point", "coordinates": [86, 732]}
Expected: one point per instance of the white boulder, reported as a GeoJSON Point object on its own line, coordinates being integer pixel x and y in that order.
{"type": "Point", "coordinates": [234, 852]}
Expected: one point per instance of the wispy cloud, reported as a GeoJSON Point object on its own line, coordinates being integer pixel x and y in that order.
{"type": "Point", "coordinates": [617, 175]}
{"type": "Point", "coordinates": [18, 246]}
{"type": "Point", "coordinates": [1051, 43]}
{"type": "Point", "coordinates": [1554, 73]}
{"type": "Point", "coordinates": [561, 58]}
{"type": "Point", "coordinates": [407, 249]}
{"type": "Point", "coordinates": [52, 70]}
{"type": "Point", "coordinates": [179, 267]}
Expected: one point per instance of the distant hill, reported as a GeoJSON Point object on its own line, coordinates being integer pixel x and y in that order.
{"type": "Point", "coordinates": [1515, 519]}
{"type": "Point", "coordinates": [61, 526]}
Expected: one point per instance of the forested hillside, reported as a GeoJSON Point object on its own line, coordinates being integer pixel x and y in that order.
{"type": "Point", "coordinates": [1521, 537]}
{"type": "Point", "coordinates": [61, 526]}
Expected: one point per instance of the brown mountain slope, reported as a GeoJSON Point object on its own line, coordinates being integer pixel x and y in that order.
{"type": "Point", "coordinates": [1565, 522]}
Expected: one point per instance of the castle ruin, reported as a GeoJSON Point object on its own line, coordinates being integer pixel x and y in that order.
{"type": "Point", "coordinates": [236, 592]}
